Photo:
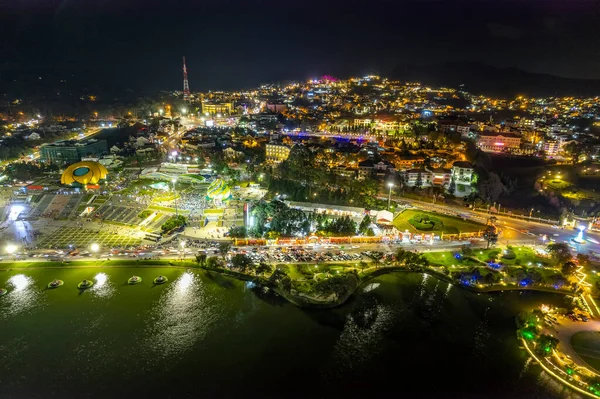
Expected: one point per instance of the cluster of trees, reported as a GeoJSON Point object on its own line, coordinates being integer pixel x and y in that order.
{"type": "Point", "coordinates": [145, 213]}
{"type": "Point", "coordinates": [411, 259]}
{"type": "Point", "coordinates": [561, 253]}
{"type": "Point", "coordinates": [343, 226]}
{"type": "Point", "coordinates": [238, 232]}
{"type": "Point", "coordinates": [337, 285]}
{"type": "Point", "coordinates": [310, 175]}
{"type": "Point", "coordinates": [474, 276]}
{"type": "Point", "coordinates": [244, 264]}
{"type": "Point", "coordinates": [172, 223]}
{"type": "Point", "coordinates": [276, 219]}
{"type": "Point", "coordinates": [28, 170]}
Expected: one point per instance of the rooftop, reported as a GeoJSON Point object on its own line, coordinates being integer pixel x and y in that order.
{"type": "Point", "coordinates": [463, 164]}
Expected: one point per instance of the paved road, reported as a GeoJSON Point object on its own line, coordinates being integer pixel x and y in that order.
{"type": "Point", "coordinates": [565, 331]}
{"type": "Point", "coordinates": [516, 231]}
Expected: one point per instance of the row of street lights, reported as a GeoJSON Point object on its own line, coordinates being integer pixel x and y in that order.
{"type": "Point", "coordinates": [11, 249]}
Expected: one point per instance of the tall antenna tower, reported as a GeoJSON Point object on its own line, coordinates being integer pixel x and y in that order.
{"type": "Point", "coordinates": [186, 85]}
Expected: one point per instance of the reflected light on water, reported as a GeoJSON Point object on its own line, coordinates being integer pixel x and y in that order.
{"type": "Point", "coordinates": [102, 287]}
{"type": "Point", "coordinates": [183, 317]}
{"type": "Point", "coordinates": [184, 282]}
{"type": "Point", "coordinates": [23, 297]}
{"type": "Point", "coordinates": [20, 282]}
{"type": "Point", "coordinates": [100, 279]}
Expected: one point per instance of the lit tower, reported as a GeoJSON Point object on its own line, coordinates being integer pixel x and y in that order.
{"type": "Point", "coordinates": [186, 85]}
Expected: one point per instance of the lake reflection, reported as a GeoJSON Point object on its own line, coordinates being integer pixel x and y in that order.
{"type": "Point", "coordinates": [23, 296]}
{"type": "Point", "coordinates": [183, 316]}
{"type": "Point", "coordinates": [206, 335]}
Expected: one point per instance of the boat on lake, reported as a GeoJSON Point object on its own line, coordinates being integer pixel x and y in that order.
{"type": "Point", "coordinates": [55, 283]}
{"type": "Point", "coordinates": [85, 284]}
{"type": "Point", "coordinates": [134, 280]}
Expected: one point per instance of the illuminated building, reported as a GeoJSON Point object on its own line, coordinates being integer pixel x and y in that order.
{"type": "Point", "coordinates": [83, 173]}
{"type": "Point", "coordinates": [438, 177]}
{"type": "Point", "coordinates": [369, 168]}
{"type": "Point", "coordinates": [454, 126]}
{"type": "Point", "coordinates": [551, 147]}
{"type": "Point", "coordinates": [217, 108]}
{"type": "Point", "coordinates": [277, 108]}
{"type": "Point", "coordinates": [527, 123]}
{"type": "Point", "coordinates": [408, 161]}
{"type": "Point", "coordinates": [276, 153]}
{"type": "Point", "coordinates": [498, 142]}
{"type": "Point", "coordinates": [462, 173]}
{"type": "Point", "coordinates": [70, 151]}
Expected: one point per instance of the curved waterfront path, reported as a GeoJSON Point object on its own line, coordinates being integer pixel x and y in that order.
{"type": "Point", "coordinates": [565, 330]}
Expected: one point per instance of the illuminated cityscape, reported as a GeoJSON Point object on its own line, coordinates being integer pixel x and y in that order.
{"type": "Point", "coordinates": [264, 215]}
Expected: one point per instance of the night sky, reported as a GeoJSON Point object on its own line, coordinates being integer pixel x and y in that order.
{"type": "Point", "coordinates": [237, 43]}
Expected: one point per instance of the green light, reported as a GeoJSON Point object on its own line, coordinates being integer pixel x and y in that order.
{"type": "Point", "coordinates": [528, 335]}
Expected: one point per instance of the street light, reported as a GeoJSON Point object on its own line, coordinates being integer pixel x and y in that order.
{"type": "Point", "coordinates": [95, 248]}
{"type": "Point", "coordinates": [390, 185]}
{"type": "Point", "coordinates": [182, 244]}
{"type": "Point", "coordinates": [11, 249]}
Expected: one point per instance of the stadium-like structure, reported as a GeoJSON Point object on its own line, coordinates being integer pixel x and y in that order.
{"type": "Point", "coordinates": [84, 173]}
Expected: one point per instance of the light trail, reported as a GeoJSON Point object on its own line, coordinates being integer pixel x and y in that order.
{"type": "Point", "coordinates": [552, 373]}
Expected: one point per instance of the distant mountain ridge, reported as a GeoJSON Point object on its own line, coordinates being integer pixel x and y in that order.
{"type": "Point", "coordinates": [488, 80]}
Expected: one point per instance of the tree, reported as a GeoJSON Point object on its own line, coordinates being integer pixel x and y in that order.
{"type": "Point", "coordinates": [560, 252]}
{"type": "Point", "coordinates": [568, 268]}
{"type": "Point", "coordinates": [365, 224]}
{"type": "Point", "coordinates": [583, 260]}
{"type": "Point", "coordinates": [224, 248]}
{"type": "Point", "coordinates": [263, 268]}
{"type": "Point", "coordinates": [545, 344]}
{"type": "Point", "coordinates": [172, 223]}
{"type": "Point", "coordinates": [201, 259]}
{"type": "Point", "coordinates": [452, 186]}
{"type": "Point", "coordinates": [573, 149]}
{"type": "Point", "coordinates": [241, 262]}
{"type": "Point", "coordinates": [490, 278]}
{"type": "Point", "coordinates": [214, 263]}
{"type": "Point", "coordinates": [419, 181]}
{"type": "Point", "coordinates": [490, 234]}
{"type": "Point", "coordinates": [362, 264]}
{"type": "Point", "coordinates": [466, 249]}
{"type": "Point", "coordinates": [337, 285]}
{"type": "Point", "coordinates": [491, 188]}
{"type": "Point", "coordinates": [237, 232]}
{"type": "Point", "coordinates": [376, 257]}
{"type": "Point", "coordinates": [343, 226]}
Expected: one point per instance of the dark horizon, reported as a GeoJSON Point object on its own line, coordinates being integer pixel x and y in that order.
{"type": "Point", "coordinates": [238, 44]}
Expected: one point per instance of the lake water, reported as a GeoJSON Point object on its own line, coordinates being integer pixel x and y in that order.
{"type": "Point", "coordinates": [204, 335]}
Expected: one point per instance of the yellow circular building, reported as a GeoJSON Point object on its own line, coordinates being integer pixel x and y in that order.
{"type": "Point", "coordinates": [83, 173]}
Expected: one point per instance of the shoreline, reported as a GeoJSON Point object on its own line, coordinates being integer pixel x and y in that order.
{"type": "Point", "coordinates": [298, 299]}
